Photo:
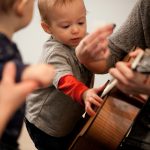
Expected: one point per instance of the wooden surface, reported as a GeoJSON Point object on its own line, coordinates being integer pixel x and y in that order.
{"type": "Point", "coordinates": [108, 128]}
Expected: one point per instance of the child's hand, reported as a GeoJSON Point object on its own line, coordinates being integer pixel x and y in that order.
{"type": "Point", "coordinates": [92, 100]}
{"type": "Point", "coordinates": [42, 73]}
{"type": "Point", "coordinates": [12, 94]}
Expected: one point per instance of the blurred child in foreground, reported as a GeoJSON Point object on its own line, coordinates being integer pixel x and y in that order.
{"type": "Point", "coordinates": [15, 15]}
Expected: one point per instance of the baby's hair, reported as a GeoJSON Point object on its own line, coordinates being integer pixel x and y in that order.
{"type": "Point", "coordinates": [45, 5]}
{"type": "Point", "coordinates": [6, 5]}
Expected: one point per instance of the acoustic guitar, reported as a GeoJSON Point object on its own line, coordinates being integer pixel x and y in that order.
{"type": "Point", "coordinates": [112, 122]}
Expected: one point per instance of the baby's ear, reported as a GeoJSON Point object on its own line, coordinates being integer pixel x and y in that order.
{"type": "Point", "coordinates": [19, 7]}
{"type": "Point", "coordinates": [45, 27]}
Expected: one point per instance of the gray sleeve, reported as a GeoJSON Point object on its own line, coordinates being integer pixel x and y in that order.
{"type": "Point", "coordinates": [130, 34]}
{"type": "Point", "coordinates": [60, 59]}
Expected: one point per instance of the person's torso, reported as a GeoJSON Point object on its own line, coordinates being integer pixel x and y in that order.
{"type": "Point", "coordinates": [49, 109]}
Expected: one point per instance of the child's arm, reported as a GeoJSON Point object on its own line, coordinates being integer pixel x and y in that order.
{"type": "Point", "coordinates": [41, 73]}
{"type": "Point", "coordinates": [80, 93]}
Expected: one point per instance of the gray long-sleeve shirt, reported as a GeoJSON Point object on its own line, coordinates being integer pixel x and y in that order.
{"type": "Point", "coordinates": [134, 32]}
{"type": "Point", "coordinates": [49, 109]}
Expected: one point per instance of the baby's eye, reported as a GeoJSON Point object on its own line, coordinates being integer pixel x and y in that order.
{"type": "Point", "coordinates": [65, 26]}
{"type": "Point", "coordinates": [81, 23]}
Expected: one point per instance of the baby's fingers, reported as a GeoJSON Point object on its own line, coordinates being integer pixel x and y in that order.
{"type": "Point", "coordinates": [89, 109]}
{"type": "Point", "coordinates": [96, 100]}
{"type": "Point", "coordinates": [92, 105]}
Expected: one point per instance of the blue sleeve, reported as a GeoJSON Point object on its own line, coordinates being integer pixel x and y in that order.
{"type": "Point", "coordinates": [19, 69]}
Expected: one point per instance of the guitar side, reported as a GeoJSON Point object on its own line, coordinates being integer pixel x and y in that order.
{"type": "Point", "coordinates": [108, 128]}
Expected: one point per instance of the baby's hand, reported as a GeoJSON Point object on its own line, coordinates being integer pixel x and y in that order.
{"type": "Point", "coordinates": [42, 73]}
{"type": "Point", "coordinates": [92, 100]}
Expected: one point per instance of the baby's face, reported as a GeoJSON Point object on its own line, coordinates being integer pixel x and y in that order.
{"type": "Point", "coordinates": [68, 22]}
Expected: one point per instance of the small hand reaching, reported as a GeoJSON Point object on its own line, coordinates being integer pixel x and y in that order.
{"type": "Point", "coordinates": [92, 101]}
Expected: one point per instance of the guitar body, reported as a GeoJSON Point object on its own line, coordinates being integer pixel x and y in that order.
{"type": "Point", "coordinates": [107, 129]}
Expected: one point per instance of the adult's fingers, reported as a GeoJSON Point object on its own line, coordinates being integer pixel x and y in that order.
{"type": "Point", "coordinates": [125, 70]}
{"type": "Point", "coordinates": [9, 72]}
{"type": "Point", "coordinates": [105, 31]}
{"type": "Point", "coordinates": [95, 37]}
{"type": "Point", "coordinates": [26, 87]}
{"type": "Point", "coordinates": [117, 75]}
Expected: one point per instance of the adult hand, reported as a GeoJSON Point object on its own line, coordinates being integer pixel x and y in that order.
{"type": "Point", "coordinates": [94, 46]}
{"type": "Point", "coordinates": [129, 81]}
